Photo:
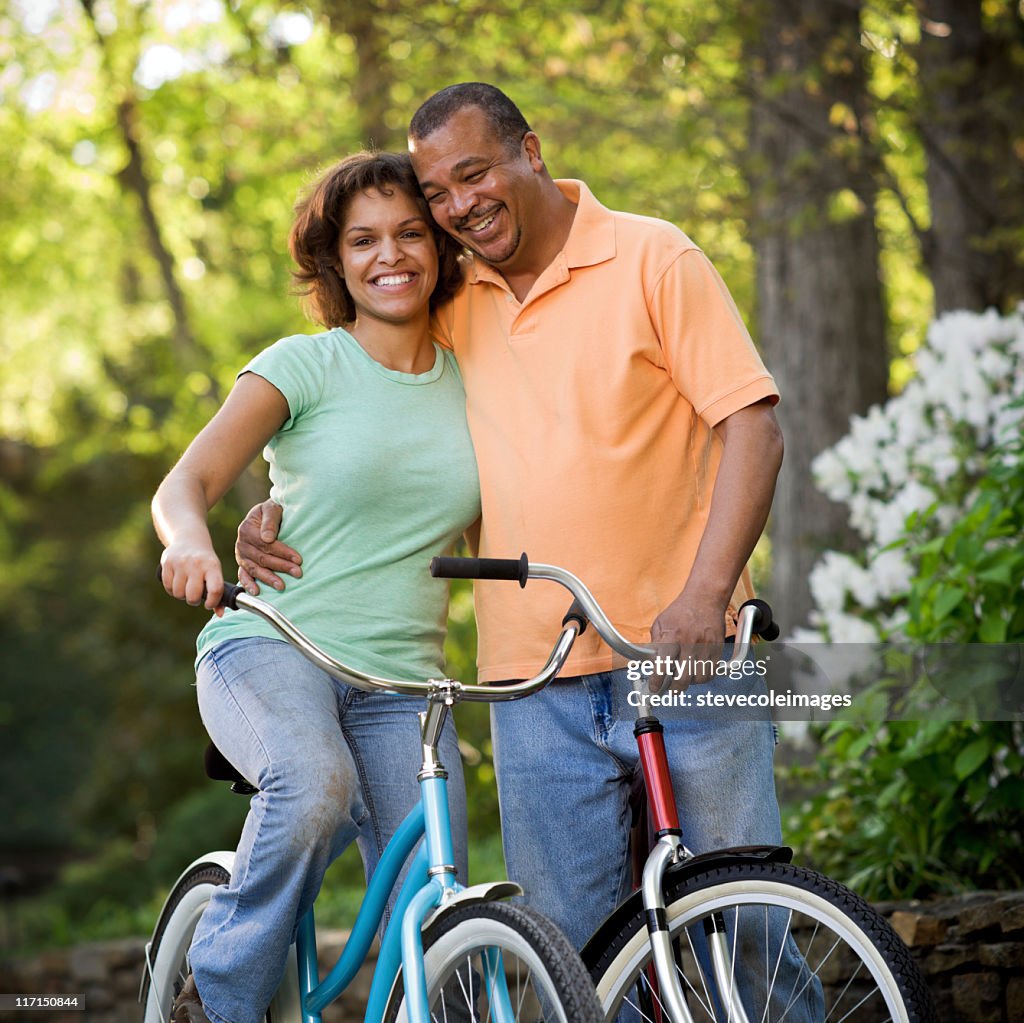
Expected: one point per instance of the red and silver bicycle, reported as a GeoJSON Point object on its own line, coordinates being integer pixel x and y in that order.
{"type": "Point", "coordinates": [739, 935]}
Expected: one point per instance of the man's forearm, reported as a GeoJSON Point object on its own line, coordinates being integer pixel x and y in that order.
{"type": "Point", "coordinates": [742, 497]}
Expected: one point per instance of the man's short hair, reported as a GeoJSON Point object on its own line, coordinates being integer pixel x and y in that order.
{"type": "Point", "coordinates": [502, 114]}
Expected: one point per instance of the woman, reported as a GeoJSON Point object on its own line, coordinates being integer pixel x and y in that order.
{"type": "Point", "coordinates": [365, 433]}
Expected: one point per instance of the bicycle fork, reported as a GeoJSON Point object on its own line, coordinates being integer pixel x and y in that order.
{"type": "Point", "coordinates": [667, 850]}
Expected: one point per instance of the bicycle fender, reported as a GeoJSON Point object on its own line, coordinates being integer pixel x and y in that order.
{"type": "Point", "coordinates": [491, 891]}
{"type": "Point", "coordinates": [630, 907]}
{"type": "Point", "coordinates": [224, 858]}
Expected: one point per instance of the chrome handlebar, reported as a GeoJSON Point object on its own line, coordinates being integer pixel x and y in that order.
{"type": "Point", "coordinates": [451, 691]}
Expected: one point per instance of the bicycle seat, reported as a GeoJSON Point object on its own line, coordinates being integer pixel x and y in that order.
{"type": "Point", "coordinates": [219, 768]}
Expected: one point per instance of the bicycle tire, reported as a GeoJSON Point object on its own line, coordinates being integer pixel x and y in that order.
{"type": "Point", "coordinates": [167, 966]}
{"type": "Point", "coordinates": [871, 978]}
{"type": "Point", "coordinates": [535, 953]}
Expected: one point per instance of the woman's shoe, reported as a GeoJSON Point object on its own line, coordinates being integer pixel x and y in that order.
{"type": "Point", "coordinates": [188, 1008]}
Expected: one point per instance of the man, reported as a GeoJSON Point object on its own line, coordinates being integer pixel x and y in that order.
{"type": "Point", "coordinates": [624, 429]}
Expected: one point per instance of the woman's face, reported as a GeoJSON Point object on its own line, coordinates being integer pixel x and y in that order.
{"type": "Point", "coordinates": [388, 257]}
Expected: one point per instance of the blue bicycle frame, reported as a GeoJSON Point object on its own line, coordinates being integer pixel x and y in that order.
{"type": "Point", "coordinates": [431, 875]}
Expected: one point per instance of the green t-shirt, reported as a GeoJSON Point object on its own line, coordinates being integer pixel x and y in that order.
{"type": "Point", "coordinates": [376, 475]}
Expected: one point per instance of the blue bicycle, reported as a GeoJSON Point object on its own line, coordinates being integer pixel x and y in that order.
{"type": "Point", "coordinates": [449, 953]}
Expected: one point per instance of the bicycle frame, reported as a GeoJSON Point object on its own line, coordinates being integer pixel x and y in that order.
{"type": "Point", "coordinates": [429, 884]}
{"type": "Point", "coordinates": [668, 849]}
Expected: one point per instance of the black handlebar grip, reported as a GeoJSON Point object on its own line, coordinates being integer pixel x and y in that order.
{"type": "Point", "coordinates": [229, 598]}
{"type": "Point", "coordinates": [481, 568]}
{"type": "Point", "coordinates": [765, 625]}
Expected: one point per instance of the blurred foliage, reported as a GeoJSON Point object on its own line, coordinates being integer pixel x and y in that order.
{"type": "Point", "coordinates": [150, 153]}
{"type": "Point", "coordinates": [866, 825]}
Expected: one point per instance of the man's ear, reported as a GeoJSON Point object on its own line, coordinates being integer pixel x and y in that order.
{"type": "Point", "coordinates": [531, 149]}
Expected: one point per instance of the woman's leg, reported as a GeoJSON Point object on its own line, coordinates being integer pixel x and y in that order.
{"type": "Point", "coordinates": [383, 733]}
{"type": "Point", "coordinates": [275, 717]}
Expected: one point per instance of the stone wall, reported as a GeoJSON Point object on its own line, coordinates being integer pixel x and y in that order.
{"type": "Point", "coordinates": [971, 949]}
{"type": "Point", "coordinates": [108, 974]}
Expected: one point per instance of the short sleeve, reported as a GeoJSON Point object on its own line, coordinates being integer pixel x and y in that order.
{"type": "Point", "coordinates": [708, 350]}
{"type": "Point", "coordinates": [442, 325]}
{"type": "Point", "coordinates": [295, 366]}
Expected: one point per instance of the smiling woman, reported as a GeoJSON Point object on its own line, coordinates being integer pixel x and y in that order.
{"type": "Point", "coordinates": [365, 433]}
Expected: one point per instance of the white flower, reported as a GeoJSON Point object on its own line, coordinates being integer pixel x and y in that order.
{"type": "Point", "coordinates": [892, 572]}
{"type": "Point", "coordinates": [830, 580]}
{"type": "Point", "coordinates": [844, 628]}
{"type": "Point", "coordinates": [906, 457]}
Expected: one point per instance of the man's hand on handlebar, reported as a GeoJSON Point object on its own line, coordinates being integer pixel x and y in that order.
{"type": "Point", "coordinates": [691, 632]}
{"type": "Point", "coordinates": [259, 553]}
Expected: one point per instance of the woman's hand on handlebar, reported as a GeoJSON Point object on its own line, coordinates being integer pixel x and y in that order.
{"type": "Point", "coordinates": [259, 553]}
{"type": "Point", "coordinates": [191, 571]}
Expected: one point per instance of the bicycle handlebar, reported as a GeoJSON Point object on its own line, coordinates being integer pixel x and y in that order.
{"type": "Point", "coordinates": [755, 616]}
{"type": "Point", "coordinates": [445, 690]}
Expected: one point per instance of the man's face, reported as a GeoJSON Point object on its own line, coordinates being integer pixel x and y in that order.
{"type": "Point", "coordinates": [479, 190]}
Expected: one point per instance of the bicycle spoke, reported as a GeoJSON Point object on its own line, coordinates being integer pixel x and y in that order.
{"type": "Point", "coordinates": [522, 997]}
{"type": "Point", "coordinates": [469, 1000]}
{"type": "Point", "coordinates": [811, 975]}
{"type": "Point", "coordinates": [766, 1015]}
{"type": "Point", "coordinates": [492, 981]}
{"type": "Point", "coordinates": [654, 994]}
{"type": "Point", "coordinates": [732, 966]}
{"type": "Point", "coordinates": [870, 994]}
{"type": "Point", "coordinates": [843, 992]}
{"type": "Point", "coordinates": [640, 1012]}
{"type": "Point", "coordinates": [706, 1006]}
{"type": "Point", "coordinates": [778, 960]}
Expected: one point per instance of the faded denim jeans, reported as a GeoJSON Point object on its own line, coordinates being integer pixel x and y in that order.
{"type": "Point", "coordinates": [332, 764]}
{"type": "Point", "coordinates": [565, 761]}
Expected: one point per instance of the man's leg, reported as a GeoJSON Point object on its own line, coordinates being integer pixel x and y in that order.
{"type": "Point", "coordinates": [564, 798]}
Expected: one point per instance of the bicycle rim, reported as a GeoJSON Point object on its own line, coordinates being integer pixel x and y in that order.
{"type": "Point", "coordinates": [799, 948]}
{"type": "Point", "coordinates": [167, 953]}
{"type": "Point", "coordinates": [167, 964]}
{"type": "Point", "coordinates": [498, 961]}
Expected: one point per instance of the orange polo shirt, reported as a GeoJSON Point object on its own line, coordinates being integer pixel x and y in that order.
{"type": "Point", "coordinates": [591, 406]}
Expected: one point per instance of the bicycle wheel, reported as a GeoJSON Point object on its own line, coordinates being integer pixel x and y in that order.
{"type": "Point", "coordinates": [541, 972]}
{"type": "Point", "coordinates": [799, 948]}
{"type": "Point", "coordinates": [167, 953]}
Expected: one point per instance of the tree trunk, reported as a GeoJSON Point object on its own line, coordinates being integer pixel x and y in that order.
{"type": "Point", "coordinates": [821, 316]}
{"type": "Point", "coordinates": [973, 134]}
{"type": "Point", "coordinates": [371, 90]}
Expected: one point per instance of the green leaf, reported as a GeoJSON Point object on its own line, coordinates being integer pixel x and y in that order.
{"type": "Point", "coordinates": [1002, 574]}
{"type": "Point", "coordinates": [948, 599]}
{"type": "Point", "coordinates": [971, 758]}
{"type": "Point", "coordinates": [993, 629]}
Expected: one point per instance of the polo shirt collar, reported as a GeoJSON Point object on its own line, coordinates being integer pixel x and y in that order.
{"type": "Point", "coordinates": [591, 238]}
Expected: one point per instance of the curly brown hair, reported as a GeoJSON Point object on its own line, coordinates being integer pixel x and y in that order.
{"type": "Point", "coordinates": [320, 216]}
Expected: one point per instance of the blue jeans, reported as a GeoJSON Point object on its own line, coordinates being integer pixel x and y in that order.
{"type": "Point", "coordinates": [565, 760]}
{"type": "Point", "coordinates": [333, 764]}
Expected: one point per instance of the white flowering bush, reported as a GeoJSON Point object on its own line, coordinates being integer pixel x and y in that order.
{"type": "Point", "coordinates": [920, 455]}
{"type": "Point", "coordinates": [935, 484]}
